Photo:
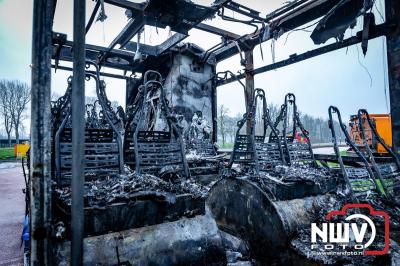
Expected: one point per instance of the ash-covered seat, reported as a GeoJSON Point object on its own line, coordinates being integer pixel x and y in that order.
{"type": "Point", "coordinates": [198, 136]}
{"type": "Point", "coordinates": [371, 179]}
{"type": "Point", "coordinates": [296, 152]}
{"type": "Point", "coordinates": [251, 150]}
{"type": "Point", "coordinates": [155, 152]}
{"type": "Point", "coordinates": [103, 136]}
{"type": "Point", "coordinates": [205, 164]}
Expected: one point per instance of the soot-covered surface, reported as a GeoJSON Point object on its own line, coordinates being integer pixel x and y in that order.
{"type": "Point", "coordinates": [123, 188]}
{"type": "Point", "coordinates": [131, 201]}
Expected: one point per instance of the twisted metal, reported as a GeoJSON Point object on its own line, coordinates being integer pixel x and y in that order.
{"type": "Point", "coordinates": [290, 100]}
{"type": "Point", "coordinates": [152, 84]}
{"type": "Point", "coordinates": [249, 118]}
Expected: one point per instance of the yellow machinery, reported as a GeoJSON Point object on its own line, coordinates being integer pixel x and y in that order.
{"type": "Point", "coordinates": [20, 150]}
{"type": "Point", "coordinates": [383, 125]}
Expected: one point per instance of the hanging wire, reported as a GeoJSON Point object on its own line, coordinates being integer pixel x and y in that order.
{"type": "Point", "coordinates": [304, 29]}
{"type": "Point", "coordinates": [384, 57]}
{"type": "Point", "coordinates": [385, 71]}
{"type": "Point", "coordinates": [363, 66]}
{"type": "Point", "coordinates": [379, 9]}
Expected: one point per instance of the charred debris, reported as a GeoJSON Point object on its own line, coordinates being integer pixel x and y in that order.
{"type": "Point", "coordinates": [156, 189]}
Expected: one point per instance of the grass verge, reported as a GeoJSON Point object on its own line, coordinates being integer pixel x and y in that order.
{"type": "Point", "coordinates": [6, 153]}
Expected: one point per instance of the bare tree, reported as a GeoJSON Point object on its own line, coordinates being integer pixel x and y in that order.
{"type": "Point", "coordinates": [20, 95]}
{"type": "Point", "coordinates": [317, 127]}
{"type": "Point", "coordinates": [5, 96]}
{"type": "Point", "coordinates": [222, 122]}
{"type": "Point", "coordinates": [232, 126]}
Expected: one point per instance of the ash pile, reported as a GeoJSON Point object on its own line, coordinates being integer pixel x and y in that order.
{"type": "Point", "coordinates": [288, 182]}
{"type": "Point", "coordinates": [108, 202]}
{"type": "Point", "coordinates": [131, 186]}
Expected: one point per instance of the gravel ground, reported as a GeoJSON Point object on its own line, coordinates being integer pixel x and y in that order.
{"type": "Point", "coordinates": [12, 210]}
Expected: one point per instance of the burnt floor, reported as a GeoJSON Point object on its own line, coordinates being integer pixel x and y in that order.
{"type": "Point", "coordinates": [12, 208]}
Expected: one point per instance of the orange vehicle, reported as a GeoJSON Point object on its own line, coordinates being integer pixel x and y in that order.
{"type": "Point", "coordinates": [383, 125]}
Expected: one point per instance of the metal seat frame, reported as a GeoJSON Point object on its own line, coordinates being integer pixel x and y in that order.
{"type": "Point", "coordinates": [104, 147]}
{"type": "Point", "coordinates": [290, 149]}
{"type": "Point", "coordinates": [371, 169]}
{"type": "Point", "coordinates": [248, 148]}
{"type": "Point", "coordinates": [158, 148]}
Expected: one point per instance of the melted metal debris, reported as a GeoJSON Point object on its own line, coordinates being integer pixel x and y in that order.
{"type": "Point", "coordinates": [125, 188]}
{"type": "Point", "coordinates": [300, 173]}
{"type": "Point", "coordinates": [192, 155]}
{"type": "Point", "coordinates": [283, 175]}
{"type": "Point", "coordinates": [391, 209]}
{"type": "Point", "coordinates": [201, 155]}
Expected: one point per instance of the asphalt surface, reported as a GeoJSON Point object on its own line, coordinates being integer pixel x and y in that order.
{"type": "Point", "coordinates": [327, 150]}
{"type": "Point", "coordinates": [12, 210]}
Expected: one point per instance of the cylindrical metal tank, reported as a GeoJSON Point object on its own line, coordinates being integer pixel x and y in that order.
{"type": "Point", "coordinates": [243, 209]}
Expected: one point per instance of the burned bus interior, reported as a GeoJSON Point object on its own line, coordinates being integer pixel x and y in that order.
{"type": "Point", "coordinates": [146, 184]}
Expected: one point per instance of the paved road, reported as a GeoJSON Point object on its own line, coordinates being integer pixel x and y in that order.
{"type": "Point", "coordinates": [12, 209]}
{"type": "Point", "coordinates": [327, 150]}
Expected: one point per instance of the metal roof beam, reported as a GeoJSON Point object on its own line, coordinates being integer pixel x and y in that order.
{"type": "Point", "coordinates": [296, 18]}
{"type": "Point", "coordinates": [216, 31]}
{"type": "Point", "coordinates": [377, 31]}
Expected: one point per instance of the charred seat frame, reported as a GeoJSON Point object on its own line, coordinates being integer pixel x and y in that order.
{"type": "Point", "coordinates": [295, 153]}
{"type": "Point", "coordinates": [102, 136]}
{"type": "Point", "coordinates": [154, 150]}
{"type": "Point", "coordinates": [371, 171]}
{"type": "Point", "coordinates": [246, 146]}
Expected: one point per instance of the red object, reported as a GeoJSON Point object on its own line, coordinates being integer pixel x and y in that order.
{"type": "Point", "coordinates": [373, 212]}
{"type": "Point", "coordinates": [300, 138]}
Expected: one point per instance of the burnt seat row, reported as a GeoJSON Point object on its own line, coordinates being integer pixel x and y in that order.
{"type": "Point", "coordinates": [254, 151]}
{"type": "Point", "coordinates": [103, 136]}
{"type": "Point", "coordinates": [372, 179]}
{"type": "Point", "coordinates": [150, 150]}
{"type": "Point", "coordinates": [109, 143]}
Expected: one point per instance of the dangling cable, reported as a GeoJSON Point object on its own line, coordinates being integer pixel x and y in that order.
{"type": "Point", "coordinates": [363, 66]}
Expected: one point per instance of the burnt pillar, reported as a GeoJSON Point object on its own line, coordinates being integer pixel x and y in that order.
{"type": "Point", "coordinates": [40, 163]}
{"type": "Point", "coordinates": [131, 92]}
{"type": "Point", "coordinates": [392, 9]}
{"type": "Point", "coordinates": [78, 133]}
{"type": "Point", "coordinates": [249, 67]}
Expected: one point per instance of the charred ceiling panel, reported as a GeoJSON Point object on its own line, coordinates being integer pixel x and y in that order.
{"type": "Point", "coordinates": [343, 16]}
{"type": "Point", "coordinates": [188, 86]}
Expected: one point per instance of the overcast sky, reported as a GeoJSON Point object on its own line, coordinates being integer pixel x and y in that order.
{"type": "Point", "coordinates": [339, 78]}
